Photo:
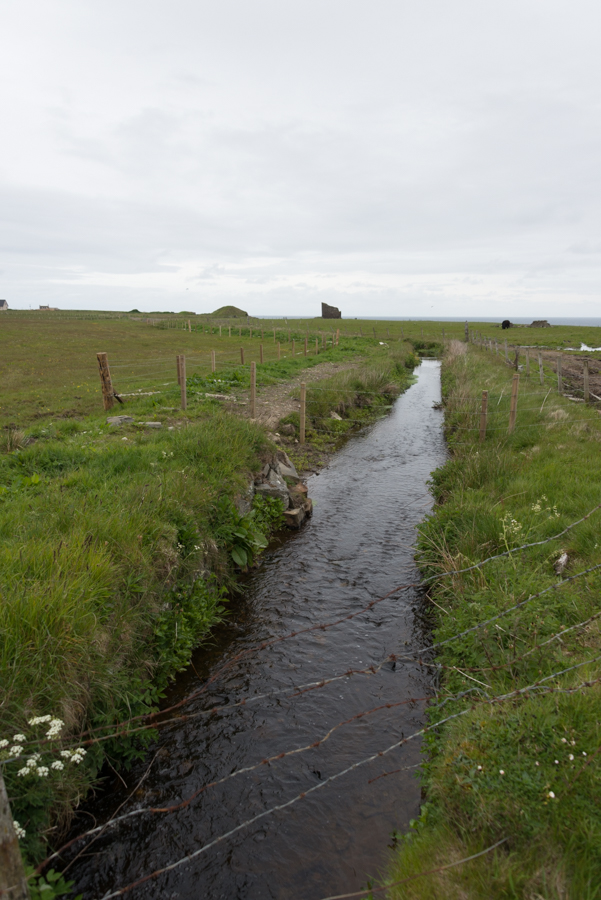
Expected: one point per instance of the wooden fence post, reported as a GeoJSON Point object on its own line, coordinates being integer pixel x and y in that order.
{"type": "Point", "coordinates": [220, 331]}
{"type": "Point", "coordinates": [261, 353]}
{"type": "Point", "coordinates": [483, 415]}
{"type": "Point", "coordinates": [527, 362]}
{"type": "Point", "coordinates": [467, 333]}
{"type": "Point", "coordinates": [585, 374]}
{"type": "Point", "coordinates": [279, 350]}
{"type": "Point", "coordinates": [514, 402]}
{"type": "Point", "coordinates": [242, 355]}
{"type": "Point", "coordinates": [337, 336]}
{"type": "Point", "coordinates": [105, 381]}
{"type": "Point", "coordinates": [13, 884]}
{"type": "Point", "coordinates": [303, 409]}
{"type": "Point", "coordinates": [253, 389]}
{"type": "Point", "coordinates": [250, 334]}
{"type": "Point", "coordinates": [517, 358]}
{"type": "Point", "coordinates": [497, 347]}
{"type": "Point", "coordinates": [559, 378]}
{"type": "Point", "coordinates": [213, 366]}
{"type": "Point", "coordinates": [541, 373]}
{"type": "Point", "coordinates": [316, 346]}
{"type": "Point", "coordinates": [288, 337]}
{"type": "Point", "coordinates": [177, 366]}
{"type": "Point", "coordinates": [182, 371]}
{"type": "Point", "coordinates": [274, 335]}
{"type": "Point", "coordinates": [293, 344]}
{"type": "Point", "coordinates": [306, 341]}
{"type": "Point", "coordinates": [189, 327]}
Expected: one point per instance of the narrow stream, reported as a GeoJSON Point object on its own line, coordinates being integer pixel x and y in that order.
{"type": "Point", "coordinates": [357, 547]}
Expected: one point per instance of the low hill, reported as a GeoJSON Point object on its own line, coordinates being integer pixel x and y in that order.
{"type": "Point", "coordinates": [229, 312]}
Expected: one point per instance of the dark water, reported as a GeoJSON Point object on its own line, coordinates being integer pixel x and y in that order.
{"type": "Point", "coordinates": [357, 547]}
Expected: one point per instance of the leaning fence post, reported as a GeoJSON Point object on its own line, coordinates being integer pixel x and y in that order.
{"type": "Point", "coordinates": [585, 374]}
{"type": "Point", "coordinates": [303, 407]}
{"type": "Point", "coordinates": [541, 374]}
{"type": "Point", "coordinates": [559, 378]}
{"type": "Point", "coordinates": [514, 402]}
{"type": "Point", "coordinates": [13, 883]}
{"type": "Point", "coordinates": [242, 355]}
{"type": "Point", "coordinates": [527, 362]}
{"type": "Point", "coordinates": [105, 381]}
{"type": "Point", "coordinates": [483, 415]}
{"type": "Point", "coordinates": [182, 372]}
{"type": "Point", "coordinates": [253, 389]}
{"type": "Point", "coordinates": [213, 361]}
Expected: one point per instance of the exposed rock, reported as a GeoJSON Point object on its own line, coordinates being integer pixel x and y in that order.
{"type": "Point", "coordinates": [330, 312]}
{"type": "Point", "coordinates": [288, 428]}
{"type": "Point", "coordinates": [308, 506]}
{"type": "Point", "coordinates": [119, 420]}
{"type": "Point", "coordinates": [540, 323]}
{"type": "Point", "coordinates": [294, 518]}
{"type": "Point", "coordinates": [274, 486]}
{"type": "Point", "coordinates": [334, 415]}
{"type": "Point", "coordinates": [244, 501]}
{"type": "Point", "coordinates": [285, 467]}
{"type": "Point", "coordinates": [221, 397]}
{"type": "Point", "coordinates": [152, 424]}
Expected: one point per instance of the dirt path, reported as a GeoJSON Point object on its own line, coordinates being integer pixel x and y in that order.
{"type": "Point", "coordinates": [279, 400]}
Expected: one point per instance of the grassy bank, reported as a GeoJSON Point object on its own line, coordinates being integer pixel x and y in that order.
{"type": "Point", "coordinates": [526, 769]}
{"type": "Point", "coordinates": [117, 556]}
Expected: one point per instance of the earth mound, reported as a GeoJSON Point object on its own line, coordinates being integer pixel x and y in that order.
{"type": "Point", "coordinates": [229, 312]}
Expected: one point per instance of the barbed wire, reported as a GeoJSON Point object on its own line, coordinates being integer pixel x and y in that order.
{"type": "Point", "coordinates": [527, 691]}
{"type": "Point", "coordinates": [386, 887]}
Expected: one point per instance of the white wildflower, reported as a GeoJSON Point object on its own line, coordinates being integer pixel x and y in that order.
{"type": "Point", "coordinates": [551, 795]}
{"type": "Point", "coordinates": [556, 762]}
{"type": "Point", "coordinates": [501, 771]}
{"type": "Point", "coordinates": [537, 763]}
{"type": "Point", "coordinates": [573, 743]}
{"type": "Point", "coordinates": [66, 754]}
{"type": "Point", "coordinates": [479, 768]}
{"type": "Point", "coordinates": [24, 771]}
{"type": "Point", "coordinates": [31, 763]}
{"type": "Point", "coordinates": [583, 753]}
{"type": "Point", "coordinates": [42, 771]}
{"type": "Point", "coordinates": [16, 750]}
{"type": "Point", "coordinates": [19, 737]}
{"type": "Point", "coordinates": [55, 729]}
{"type": "Point", "coordinates": [571, 757]}
{"type": "Point", "coordinates": [39, 720]}
{"type": "Point", "coordinates": [563, 740]}
{"type": "Point", "coordinates": [20, 832]}
{"type": "Point", "coordinates": [57, 764]}
{"type": "Point", "coordinates": [3, 743]}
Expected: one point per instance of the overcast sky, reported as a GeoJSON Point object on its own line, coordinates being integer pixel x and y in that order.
{"type": "Point", "coordinates": [392, 157]}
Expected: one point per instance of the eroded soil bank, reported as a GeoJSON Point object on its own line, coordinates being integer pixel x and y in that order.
{"type": "Point", "coordinates": [356, 548]}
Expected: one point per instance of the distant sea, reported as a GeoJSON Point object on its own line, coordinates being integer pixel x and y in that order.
{"type": "Point", "coordinates": [518, 320]}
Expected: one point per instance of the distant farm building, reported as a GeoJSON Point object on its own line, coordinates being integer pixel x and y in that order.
{"type": "Point", "coordinates": [3, 304]}
{"type": "Point", "coordinates": [330, 312]}
{"type": "Point", "coordinates": [50, 308]}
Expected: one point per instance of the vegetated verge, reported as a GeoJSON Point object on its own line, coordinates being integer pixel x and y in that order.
{"type": "Point", "coordinates": [525, 770]}
{"type": "Point", "coordinates": [118, 552]}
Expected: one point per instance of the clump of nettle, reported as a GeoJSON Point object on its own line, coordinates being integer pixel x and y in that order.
{"type": "Point", "coordinates": [49, 761]}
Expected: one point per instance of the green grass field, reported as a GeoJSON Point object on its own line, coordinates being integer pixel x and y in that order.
{"type": "Point", "coordinates": [526, 769]}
